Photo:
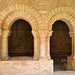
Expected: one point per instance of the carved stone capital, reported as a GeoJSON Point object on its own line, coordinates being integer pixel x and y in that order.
{"type": "Point", "coordinates": [43, 33]}
{"type": "Point", "coordinates": [35, 33]}
{"type": "Point", "coordinates": [49, 34]}
{"type": "Point", "coordinates": [72, 34]}
{"type": "Point", "coordinates": [5, 33]}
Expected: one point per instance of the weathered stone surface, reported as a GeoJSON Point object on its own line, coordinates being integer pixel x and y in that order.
{"type": "Point", "coordinates": [41, 14]}
{"type": "Point", "coordinates": [26, 67]}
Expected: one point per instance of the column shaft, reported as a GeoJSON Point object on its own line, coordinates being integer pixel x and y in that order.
{"type": "Point", "coordinates": [72, 46]}
{"type": "Point", "coordinates": [48, 48]}
{"type": "Point", "coordinates": [36, 45]}
{"type": "Point", "coordinates": [36, 49]}
{"type": "Point", "coordinates": [4, 51]}
{"type": "Point", "coordinates": [0, 42]}
{"type": "Point", "coordinates": [42, 48]}
{"type": "Point", "coordinates": [48, 45]}
{"type": "Point", "coordinates": [72, 35]}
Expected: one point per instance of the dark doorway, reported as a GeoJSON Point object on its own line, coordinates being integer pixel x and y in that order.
{"type": "Point", "coordinates": [60, 45]}
{"type": "Point", "coordinates": [21, 41]}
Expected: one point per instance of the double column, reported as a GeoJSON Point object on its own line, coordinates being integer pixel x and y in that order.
{"type": "Point", "coordinates": [41, 44]}
{"type": "Point", "coordinates": [44, 37]}
{"type": "Point", "coordinates": [4, 51]}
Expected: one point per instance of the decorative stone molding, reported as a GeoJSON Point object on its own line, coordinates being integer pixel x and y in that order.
{"type": "Point", "coordinates": [68, 19]}
{"type": "Point", "coordinates": [24, 12]}
{"type": "Point", "coordinates": [43, 33]}
{"type": "Point", "coordinates": [24, 15]}
{"type": "Point", "coordinates": [59, 14]}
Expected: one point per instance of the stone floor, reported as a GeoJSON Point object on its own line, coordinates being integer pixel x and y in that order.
{"type": "Point", "coordinates": [60, 64]}
{"type": "Point", "coordinates": [55, 73]}
{"type": "Point", "coordinates": [59, 68]}
{"type": "Point", "coordinates": [64, 73]}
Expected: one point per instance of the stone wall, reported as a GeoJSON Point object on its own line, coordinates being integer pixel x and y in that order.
{"type": "Point", "coordinates": [41, 14]}
{"type": "Point", "coordinates": [43, 10]}
{"type": "Point", "coordinates": [26, 67]}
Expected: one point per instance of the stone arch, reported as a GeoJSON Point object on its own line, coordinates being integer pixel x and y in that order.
{"type": "Point", "coordinates": [69, 20]}
{"type": "Point", "coordinates": [20, 11]}
{"type": "Point", "coordinates": [13, 13]}
{"type": "Point", "coordinates": [64, 13]}
{"type": "Point", "coordinates": [22, 42]}
{"type": "Point", "coordinates": [26, 16]}
{"type": "Point", "coordinates": [60, 30]}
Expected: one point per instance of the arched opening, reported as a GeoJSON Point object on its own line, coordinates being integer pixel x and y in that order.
{"type": "Point", "coordinates": [60, 45]}
{"type": "Point", "coordinates": [21, 41]}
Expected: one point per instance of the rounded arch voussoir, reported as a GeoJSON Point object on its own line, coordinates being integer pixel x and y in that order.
{"type": "Point", "coordinates": [61, 13]}
{"type": "Point", "coordinates": [20, 11]}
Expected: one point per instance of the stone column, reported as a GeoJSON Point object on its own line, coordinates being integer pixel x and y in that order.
{"type": "Point", "coordinates": [48, 45]}
{"type": "Point", "coordinates": [0, 32]}
{"type": "Point", "coordinates": [36, 45]}
{"type": "Point", "coordinates": [73, 46]}
{"type": "Point", "coordinates": [0, 42]}
{"type": "Point", "coordinates": [72, 35]}
{"type": "Point", "coordinates": [71, 59]}
{"type": "Point", "coordinates": [4, 51]}
{"type": "Point", "coordinates": [42, 35]}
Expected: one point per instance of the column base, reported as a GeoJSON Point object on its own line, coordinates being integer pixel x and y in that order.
{"type": "Point", "coordinates": [46, 65]}
{"type": "Point", "coordinates": [71, 63]}
{"type": "Point", "coordinates": [4, 58]}
{"type": "Point", "coordinates": [35, 58]}
{"type": "Point", "coordinates": [48, 57]}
